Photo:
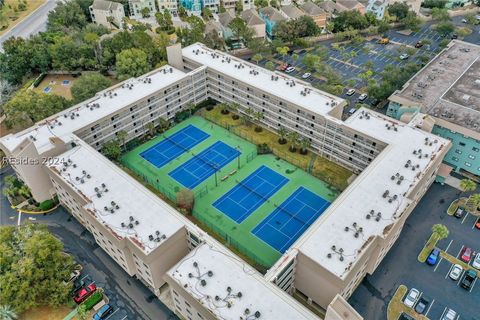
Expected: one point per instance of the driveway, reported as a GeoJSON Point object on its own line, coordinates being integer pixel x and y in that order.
{"type": "Point", "coordinates": [400, 266]}
{"type": "Point", "coordinates": [129, 297]}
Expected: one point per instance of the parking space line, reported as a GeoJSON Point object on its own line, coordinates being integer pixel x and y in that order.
{"type": "Point", "coordinates": [448, 247]}
{"type": "Point", "coordinates": [474, 223]}
{"type": "Point", "coordinates": [465, 218]}
{"type": "Point", "coordinates": [435, 269]}
{"type": "Point", "coordinates": [473, 284]}
{"type": "Point", "coordinates": [428, 310]}
{"type": "Point", "coordinates": [460, 278]}
{"type": "Point", "coordinates": [444, 310]}
{"type": "Point", "coordinates": [458, 254]}
{"type": "Point", "coordinates": [449, 270]}
{"type": "Point", "coordinates": [112, 314]}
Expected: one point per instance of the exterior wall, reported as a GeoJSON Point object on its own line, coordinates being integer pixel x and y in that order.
{"type": "Point", "coordinates": [100, 16]}
{"type": "Point", "coordinates": [170, 5]}
{"type": "Point", "coordinates": [259, 30]}
{"type": "Point", "coordinates": [339, 309]}
{"type": "Point", "coordinates": [211, 4]}
{"type": "Point", "coordinates": [136, 7]}
{"type": "Point", "coordinates": [320, 20]}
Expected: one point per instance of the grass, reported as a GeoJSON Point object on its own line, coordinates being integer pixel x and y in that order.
{"type": "Point", "coordinates": [396, 306]}
{"type": "Point", "coordinates": [455, 204]}
{"type": "Point", "coordinates": [321, 168]}
{"type": "Point", "coordinates": [207, 192]}
{"type": "Point", "coordinates": [45, 313]}
{"type": "Point", "coordinates": [16, 17]}
{"type": "Point", "coordinates": [432, 241]}
{"type": "Point", "coordinates": [54, 81]}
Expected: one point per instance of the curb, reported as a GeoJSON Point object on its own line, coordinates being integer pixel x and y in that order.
{"type": "Point", "coordinates": [36, 212]}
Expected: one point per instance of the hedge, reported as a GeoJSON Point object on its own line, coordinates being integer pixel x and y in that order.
{"type": "Point", "coordinates": [95, 298]}
{"type": "Point", "coordinates": [39, 79]}
{"type": "Point", "coordinates": [47, 204]}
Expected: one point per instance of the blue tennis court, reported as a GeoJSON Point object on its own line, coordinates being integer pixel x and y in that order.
{"type": "Point", "coordinates": [286, 223]}
{"type": "Point", "coordinates": [203, 165]}
{"type": "Point", "coordinates": [174, 145]}
{"type": "Point", "coordinates": [249, 194]}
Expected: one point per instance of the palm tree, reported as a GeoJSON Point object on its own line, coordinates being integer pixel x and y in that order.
{"type": "Point", "coordinates": [191, 108]}
{"type": "Point", "coordinates": [163, 124]}
{"type": "Point", "coordinates": [257, 57]}
{"type": "Point", "coordinates": [224, 108]}
{"type": "Point", "coordinates": [151, 128]}
{"type": "Point", "coordinates": [24, 191]}
{"type": "Point", "coordinates": [295, 58]}
{"type": "Point", "coordinates": [440, 231]}
{"type": "Point", "coordinates": [473, 203]}
{"type": "Point", "coordinates": [7, 313]}
{"type": "Point", "coordinates": [304, 145]}
{"type": "Point", "coordinates": [293, 138]}
{"type": "Point", "coordinates": [258, 116]}
{"type": "Point", "coordinates": [122, 136]}
{"type": "Point", "coordinates": [234, 107]}
{"type": "Point", "coordinates": [283, 133]}
{"type": "Point", "coordinates": [467, 185]}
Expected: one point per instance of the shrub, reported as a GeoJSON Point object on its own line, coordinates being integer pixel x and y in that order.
{"type": "Point", "coordinates": [47, 204]}
{"type": "Point", "coordinates": [95, 298]}
{"type": "Point", "coordinates": [39, 79]}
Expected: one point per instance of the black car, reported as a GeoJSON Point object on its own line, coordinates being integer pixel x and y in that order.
{"type": "Point", "coordinates": [405, 316]}
{"type": "Point", "coordinates": [468, 279]}
{"type": "Point", "coordinates": [422, 305]}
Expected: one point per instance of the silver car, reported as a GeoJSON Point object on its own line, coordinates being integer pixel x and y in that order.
{"type": "Point", "coordinates": [476, 262]}
{"type": "Point", "coordinates": [449, 315]}
{"type": "Point", "coordinates": [412, 297]}
{"type": "Point", "coordinates": [456, 272]}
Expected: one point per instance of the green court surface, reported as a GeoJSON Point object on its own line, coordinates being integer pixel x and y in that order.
{"type": "Point", "coordinates": [238, 235]}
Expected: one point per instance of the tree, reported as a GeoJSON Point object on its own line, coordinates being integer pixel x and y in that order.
{"type": "Point", "coordinates": [207, 14]}
{"type": "Point", "coordinates": [282, 133]}
{"type": "Point", "coordinates": [195, 33]}
{"type": "Point", "coordinates": [241, 30]}
{"type": "Point", "coordinates": [445, 28]}
{"type": "Point", "coordinates": [88, 85]}
{"type": "Point", "coordinates": [304, 145]}
{"type": "Point", "coordinates": [440, 14]}
{"type": "Point", "coordinates": [122, 138]}
{"type": "Point", "coordinates": [28, 107]}
{"type": "Point", "coordinates": [112, 150]}
{"type": "Point", "coordinates": [261, 3]}
{"type": "Point", "coordinates": [434, 3]}
{"type": "Point", "coordinates": [467, 185]}
{"type": "Point", "coordinates": [292, 30]}
{"type": "Point", "coordinates": [270, 65]}
{"type": "Point", "coordinates": [440, 231]}
{"type": "Point", "coordinates": [310, 61]}
{"type": "Point", "coordinates": [274, 3]}
{"type": "Point", "coordinates": [186, 199]}
{"type": "Point", "coordinates": [131, 63]}
{"type": "Point", "coordinates": [283, 51]}
{"type": "Point", "coordinates": [258, 116]}
{"type": "Point", "coordinates": [257, 57]}
{"type": "Point", "coordinates": [349, 20]}
{"type": "Point", "coordinates": [239, 7]}
{"type": "Point", "coordinates": [411, 21]}
{"type": "Point", "coordinates": [399, 10]}
{"type": "Point", "coordinates": [151, 128]}
{"type": "Point", "coordinates": [214, 41]}
{"type": "Point", "coordinates": [295, 58]}
{"type": "Point", "coordinates": [7, 313]}
{"type": "Point", "coordinates": [34, 268]}
{"type": "Point", "coordinates": [383, 26]}
{"type": "Point", "coordinates": [82, 312]}
{"type": "Point", "coordinates": [163, 124]}
{"type": "Point", "coordinates": [164, 20]}
{"type": "Point", "coordinates": [145, 12]}
{"type": "Point", "coordinates": [66, 17]}
{"type": "Point", "coordinates": [293, 139]}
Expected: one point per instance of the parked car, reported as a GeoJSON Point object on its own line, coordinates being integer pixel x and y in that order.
{"type": "Point", "coordinates": [449, 315]}
{"type": "Point", "coordinates": [464, 20]}
{"type": "Point", "coordinates": [476, 261]}
{"type": "Point", "coordinates": [433, 257]}
{"type": "Point", "coordinates": [283, 67]}
{"type": "Point", "coordinates": [454, 36]}
{"type": "Point", "coordinates": [419, 44]}
{"type": "Point", "coordinates": [352, 111]}
{"type": "Point", "coordinates": [103, 312]}
{"type": "Point", "coordinates": [459, 213]}
{"type": "Point", "coordinates": [456, 272]}
{"type": "Point", "coordinates": [422, 305]}
{"type": "Point", "coordinates": [290, 69]}
{"type": "Point", "coordinates": [84, 293]}
{"type": "Point", "coordinates": [405, 316]}
{"type": "Point", "coordinates": [412, 297]}
{"type": "Point", "coordinates": [350, 92]}
{"type": "Point", "coordinates": [466, 254]}
{"type": "Point", "coordinates": [73, 276]}
{"type": "Point", "coordinates": [306, 75]}
{"type": "Point", "coordinates": [477, 223]}
{"type": "Point", "coordinates": [362, 97]}
{"type": "Point", "coordinates": [468, 279]}
{"type": "Point", "coordinates": [404, 56]}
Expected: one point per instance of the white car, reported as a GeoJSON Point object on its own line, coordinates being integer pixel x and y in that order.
{"type": "Point", "coordinates": [306, 75]}
{"type": "Point", "coordinates": [350, 92]}
{"type": "Point", "coordinates": [464, 20]}
{"type": "Point", "coordinates": [290, 69]}
{"type": "Point", "coordinates": [449, 315]}
{"type": "Point", "coordinates": [476, 261]}
{"type": "Point", "coordinates": [404, 56]}
{"type": "Point", "coordinates": [456, 272]}
{"type": "Point", "coordinates": [411, 298]}
{"type": "Point", "coordinates": [362, 97]}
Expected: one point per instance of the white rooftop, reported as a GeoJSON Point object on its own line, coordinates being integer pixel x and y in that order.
{"type": "Point", "coordinates": [83, 163]}
{"type": "Point", "coordinates": [102, 105]}
{"type": "Point", "coordinates": [285, 87]}
{"type": "Point", "coordinates": [248, 288]}
{"type": "Point", "coordinates": [366, 195]}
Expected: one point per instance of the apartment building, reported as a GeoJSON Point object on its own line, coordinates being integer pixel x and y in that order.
{"type": "Point", "coordinates": [448, 89]}
{"type": "Point", "coordinates": [325, 264]}
{"type": "Point", "coordinates": [170, 5]}
{"type": "Point", "coordinates": [107, 13]}
{"type": "Point", "coordinates": [139, 7]}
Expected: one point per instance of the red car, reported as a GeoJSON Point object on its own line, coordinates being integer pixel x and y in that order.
{"type": "Point", "coordinates": [477, 224]}
{"type": "Point", "coordinates": [466, 254]}
{"type": "Point", "coordinates": [84, 293]}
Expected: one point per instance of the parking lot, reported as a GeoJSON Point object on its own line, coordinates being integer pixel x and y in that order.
{"type": "Point", "coordinates": [401, 266]}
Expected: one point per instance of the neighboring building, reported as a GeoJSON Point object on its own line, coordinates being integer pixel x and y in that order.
{"type": "Point", "coordinates": [330, 7]}
{"type": "Point", "coordinates": [231, 4]}
{"type": "Point", "coordinates": [101, 11]}
{"type": "Point", "coordinates": [448, 89]}
{"type": "Point", "coordinates": [137, 6]}
{"type": "Point", "coordinates": [349, 5]}
{"type": "Point", "coordinates": [271, 17]}
{"type": "Point", "coordinates": [254, 22]}
{"type": "Point", "coordinates": [224, 19]}
{"type": "Point", "coordinates": [213, 5]}
{"type": "Point", "coordinates": [213, 26]}
{"type": "Point", "coordinates": [161, 247]}
{"type": "Point", "coordinates": [291, 12]}
{"type": "Point", "coordinates": [192, 6]}
{"type": "Point", "coordinates": [377, 7]}
{"type": "Point", "coordinates": [170, 5]}
{"type": "Point", "coordinates": [318, 14]}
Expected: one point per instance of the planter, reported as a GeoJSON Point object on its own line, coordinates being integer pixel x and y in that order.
{"type": "Point", "coordinates": [292, 149]}
{"type": "Point", "coordinates": [235, 117]}
{"type": "Point", "coordinates": [225, 111]}
{"type": "Point", "coordinates": [282, 141]}
{"type": "Point", "coordinates": [304, 152]}
{"type": "Point", "coordinates": [209, 108]}
{"type": "Point", "coordinates": [258, 129]}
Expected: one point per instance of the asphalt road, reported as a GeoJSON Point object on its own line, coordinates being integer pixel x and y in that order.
{"type": "Point", "coordinates": [400, 266]}
{"type": "Point", "coordinates": [34, 23]}
{"type": "Point", "coordinates": [129, 297]}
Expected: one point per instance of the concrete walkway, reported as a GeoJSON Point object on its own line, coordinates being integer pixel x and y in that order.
{"type": "Point", "coordinates": [453, 182]}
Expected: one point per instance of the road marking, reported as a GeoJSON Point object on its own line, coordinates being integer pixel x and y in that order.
{"type": "Point", "coordinates": [460, 278]}
{"type": "Point", "coordinates": [112, 314]}
{"type": "Point", "coordinates": [465, 218]}
{"type": "Point", "coordinates": [444, 310]}
{"type": "Point", "coordinates": [435, 269]}
{"type": "Point", "coordinates": [428, 310]}
{"type": "Point", "coordinates": [474, 223]}
{"type": "Point", "coordinates": [449, 270]}
{"type": "Point", "coordinates": [473, 285]}
{"type": "Point", "coordinates": [448, 247]}
{"type": "Point", "coordinates": [19, 217]}
{"type": "Point", "coordinates": [458, 254]}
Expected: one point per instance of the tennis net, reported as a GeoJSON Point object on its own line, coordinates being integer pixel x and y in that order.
{"type": "Point", "coordinates": [214, 166]}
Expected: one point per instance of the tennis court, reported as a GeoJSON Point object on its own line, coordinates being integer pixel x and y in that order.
{"type": "Point", "coordinates": [289, 220]}
{"type": "Point", "coordinates": [174, 145]}
{"type": "Point", "coordinates": [191, 173]}
{"type": "Point", "coordinates": [250, 193]}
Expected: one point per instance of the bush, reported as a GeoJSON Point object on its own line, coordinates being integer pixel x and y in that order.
{"type": "Point", "coordinates": [263, 148]}
{"type": "Point", "coordinates": [95, 298]}
{"type": "Point", "coordinates": [39, 79]}
{"type": "Point", "coordinates": [47, 204]}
